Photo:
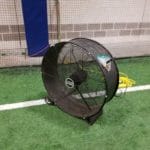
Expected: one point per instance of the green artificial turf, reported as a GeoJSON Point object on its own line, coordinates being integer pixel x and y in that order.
{"type": "Point", "coordinates": [20, 84]}
{"type": "Point", "coordinates": [137, 69]}
{"type": "Point", "coordinates": [125, 125]}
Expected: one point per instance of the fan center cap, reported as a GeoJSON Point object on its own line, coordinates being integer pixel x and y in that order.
{"type": "Point", "coordinates": [69, 83]}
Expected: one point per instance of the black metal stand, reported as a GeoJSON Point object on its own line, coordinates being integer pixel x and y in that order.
{"type": "Point", "coordinates": [91, 120]}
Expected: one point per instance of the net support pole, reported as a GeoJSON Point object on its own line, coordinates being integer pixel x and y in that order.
{"type": "Point", "coordinates": [36, 26]}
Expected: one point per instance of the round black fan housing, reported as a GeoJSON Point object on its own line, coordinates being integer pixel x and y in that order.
{"type": "Point", "coordinates": [80, 76]}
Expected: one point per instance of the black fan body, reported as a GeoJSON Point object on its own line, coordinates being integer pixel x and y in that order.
{"type": "Point", "coordinates": [80, 76]}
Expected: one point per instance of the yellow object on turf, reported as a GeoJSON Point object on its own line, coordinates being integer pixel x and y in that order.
{"type": "Point", "coordinates": [125, 81]}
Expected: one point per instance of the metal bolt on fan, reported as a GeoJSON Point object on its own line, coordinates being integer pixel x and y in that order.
{"type": "Point", "coordinates": [80, 76]}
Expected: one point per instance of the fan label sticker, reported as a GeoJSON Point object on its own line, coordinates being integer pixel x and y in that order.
{"type": "Point", "coordinates": [105, 61]}
{"type": "Point", "coordinates": [69, 83]}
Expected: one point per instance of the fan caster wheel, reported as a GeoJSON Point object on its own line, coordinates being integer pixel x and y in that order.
{"type": "Point", "coordinates": [49, 101]}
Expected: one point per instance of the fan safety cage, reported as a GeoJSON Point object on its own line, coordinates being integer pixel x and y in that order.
{"type": "Point", "coordinates": [80, 76]}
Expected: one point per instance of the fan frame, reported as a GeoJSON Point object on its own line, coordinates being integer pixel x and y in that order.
{"type": "Point", "coordinates": [51, 57]}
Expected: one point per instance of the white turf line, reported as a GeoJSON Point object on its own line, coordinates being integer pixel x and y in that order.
{"type": "Point", "coordinates": [42, 101]}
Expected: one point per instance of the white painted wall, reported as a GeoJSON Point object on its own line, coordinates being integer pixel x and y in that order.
{"type": "Point", "coordinates": [95, 11]}
{"type": "Point", "coordinates": [8, 13]}
{"type": "Point", "coordinates": [84, 11]}
{"type": "Point", "coordinates": [146, 14]}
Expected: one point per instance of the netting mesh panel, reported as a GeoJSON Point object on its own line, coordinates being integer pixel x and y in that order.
{"type": "Point", "coordinates": [11, 44]}
{"type": "Point", "coordinates": [123, 27]}
{"type": "Point", "coordinates": [13, 49]}
{"type": "Point", "coordinates": [107, 22]}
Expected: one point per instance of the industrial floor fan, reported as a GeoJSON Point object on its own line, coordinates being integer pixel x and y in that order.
{"type": "Point", "coordinates": [80, 77]}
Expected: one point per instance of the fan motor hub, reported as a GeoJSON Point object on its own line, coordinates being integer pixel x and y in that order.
{"type": "Point", "coordinates": [79, 77]}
